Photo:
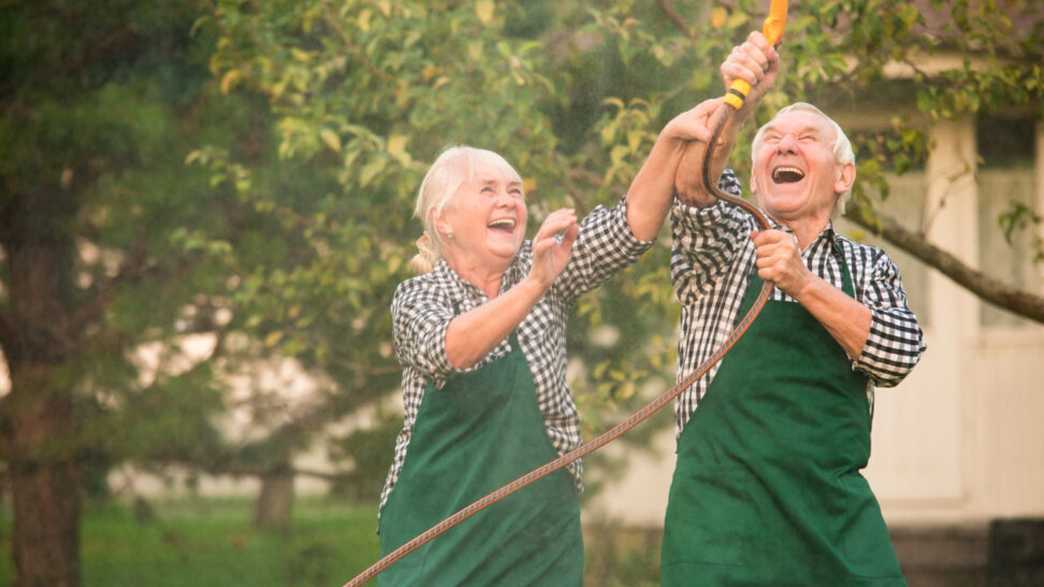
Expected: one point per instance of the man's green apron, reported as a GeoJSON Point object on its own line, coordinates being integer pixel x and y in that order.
{"type": "Point", "coordinates": [767, 490]}
{"type": "Point", "coordinates": [480, 431]}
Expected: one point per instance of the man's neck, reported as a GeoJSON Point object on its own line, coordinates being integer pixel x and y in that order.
{"type": "Point", "coordinates": [807, 230]}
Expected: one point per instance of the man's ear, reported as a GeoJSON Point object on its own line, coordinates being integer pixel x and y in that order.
{"type": "Point", "coordinates": [845, 178]}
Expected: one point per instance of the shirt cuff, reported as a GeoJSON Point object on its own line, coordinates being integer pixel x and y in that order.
{"type": "Point", "coordinates": [698, 216]}
{"type": "Point", "coordinates": [439, 367]}
{"type": "Point", "coordinates": [885, 365]}
{"type": "Point", "coordinates": [630, 246]}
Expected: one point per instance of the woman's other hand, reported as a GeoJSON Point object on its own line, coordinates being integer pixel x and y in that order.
{"type": "Point", "coordinates": [552, 246]}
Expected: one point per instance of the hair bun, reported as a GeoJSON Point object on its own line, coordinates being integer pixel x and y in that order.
{"type": "Point", "coordinates": [426, 257]}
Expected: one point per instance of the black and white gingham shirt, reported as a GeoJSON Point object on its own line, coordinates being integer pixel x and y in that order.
{"type": "Point", "coordinates": [424, 306]}
{"type": "Point", "coordinates": [711, 262]}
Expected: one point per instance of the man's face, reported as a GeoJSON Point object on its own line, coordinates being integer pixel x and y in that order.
{"type": "Point", "coordinates": [795, 174]}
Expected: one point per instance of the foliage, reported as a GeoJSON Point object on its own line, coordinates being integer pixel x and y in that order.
{"type": "Point", "coordinates": [365, 92]}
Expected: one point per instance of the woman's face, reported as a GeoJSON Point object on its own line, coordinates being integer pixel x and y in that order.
{"type": "Point", "coordinates": [487, 217]}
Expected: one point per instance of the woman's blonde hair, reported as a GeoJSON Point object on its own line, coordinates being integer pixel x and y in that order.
{"type": "Point", "coordinates": [453, 167]}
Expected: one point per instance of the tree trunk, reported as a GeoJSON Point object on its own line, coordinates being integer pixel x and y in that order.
{"type": "Point", "coordinates": [39, 424]}
{"type": "Point", "coordinates": [45, 483]}
{"type": "Point", "coordinates": [276, 500]}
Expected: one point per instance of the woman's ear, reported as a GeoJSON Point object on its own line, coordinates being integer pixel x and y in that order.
{"type": "Point", "coordinates": [443, 228]}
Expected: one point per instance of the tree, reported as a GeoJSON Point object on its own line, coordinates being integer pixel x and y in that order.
{"type": "Point", "coordinates": [92, 119]}
{"type": "Point", "coordinates": [129, 278]}
{"type": "Point", "coordinates": [141, 276]}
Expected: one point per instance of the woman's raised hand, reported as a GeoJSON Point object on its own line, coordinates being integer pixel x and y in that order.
{"type": "Point", "coordinates": [552, 246]}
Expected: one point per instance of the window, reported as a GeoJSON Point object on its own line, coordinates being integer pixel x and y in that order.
{"type": "Point", "coordinates": [1005, 180]}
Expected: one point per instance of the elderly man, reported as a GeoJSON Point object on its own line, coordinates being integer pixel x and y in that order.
{"type": "Point", "coordinates": [767, 489]}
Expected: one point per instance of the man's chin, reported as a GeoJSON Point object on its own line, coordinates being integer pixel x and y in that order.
{"type": "Point", "coordinates": [785, 202]}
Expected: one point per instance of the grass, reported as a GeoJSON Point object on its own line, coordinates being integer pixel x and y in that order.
{"type": "Point", "coordinates": [212, 542]}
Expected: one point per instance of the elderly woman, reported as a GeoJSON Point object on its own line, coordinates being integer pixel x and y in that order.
{"type": "Point", "coordinates": [481, 338]}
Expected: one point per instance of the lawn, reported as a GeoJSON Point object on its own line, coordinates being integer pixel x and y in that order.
{"type": "Point", "coordinates": [212, 542]}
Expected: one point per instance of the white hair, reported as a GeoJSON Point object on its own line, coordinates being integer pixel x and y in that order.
{"type": "Point", "coordinates": [453, 167]}
{"type": "Point", "coordinates": [843, 154]}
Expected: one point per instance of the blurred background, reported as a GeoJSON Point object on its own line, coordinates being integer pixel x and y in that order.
{"type": "Point", "coordinates": [206, 207]}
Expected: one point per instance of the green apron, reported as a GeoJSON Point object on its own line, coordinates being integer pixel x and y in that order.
{"type": "Point", "coordinates": [480, 431]}
{"type": "Point", "coordinates": [767, 490]}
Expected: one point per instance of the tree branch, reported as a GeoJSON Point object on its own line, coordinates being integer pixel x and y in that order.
{"type": "Point", "coordinates": [994, 291]}
{"type": "Point", "coordinates": [356, 51]}
{"type": "Point", "coordinates": [667, 7]}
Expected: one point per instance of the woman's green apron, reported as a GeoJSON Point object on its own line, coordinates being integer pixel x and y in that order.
{"type": "Point", "coordinates": [767, 490]}
{"type": "Point", "coordinates": [480, 431]}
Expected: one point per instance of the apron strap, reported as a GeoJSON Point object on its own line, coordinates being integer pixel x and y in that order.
{"type": "Point", "coordinates": [847, 284]}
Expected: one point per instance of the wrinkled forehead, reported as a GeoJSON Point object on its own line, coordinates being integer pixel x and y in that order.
{"type": "Point", "coordinates": [796, 121]}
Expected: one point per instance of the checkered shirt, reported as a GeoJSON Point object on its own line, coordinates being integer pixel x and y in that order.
{"type": "Point", "coordinates": [423, 307]}
{"type": "Point", "coordinates": [711, 262]}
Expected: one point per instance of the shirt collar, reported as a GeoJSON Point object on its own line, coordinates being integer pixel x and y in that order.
{"type": "Point", "coordinates": [458, 289]}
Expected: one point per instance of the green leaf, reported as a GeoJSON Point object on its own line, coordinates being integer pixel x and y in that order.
{"type": "Point", "coordinates": [484, 10]}
{"type": "Point", "coordinates": [330, 139]}
{"type": "Point", "coordinates": [370, 171]}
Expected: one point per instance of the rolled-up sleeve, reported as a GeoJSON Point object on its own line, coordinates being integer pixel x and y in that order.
{"type": "Point", "coordinates": [604, 245]}
{"type": "Point", "coordinates": [706, 240]}
{"type": "Point", "coordinates": [896, 342]}
{"type": "Point", "coordinates": [421, 315]}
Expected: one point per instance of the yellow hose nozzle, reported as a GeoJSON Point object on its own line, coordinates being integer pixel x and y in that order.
{"type": "Point", "coordinates": [775, 22]}
{"type": "Point", "coordinates": [737, 93]}
{"type": "Point", "coordinates": [772, 28]}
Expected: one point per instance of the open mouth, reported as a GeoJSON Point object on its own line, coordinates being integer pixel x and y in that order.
{"type": "Point", "coordinates": [505, 225]}
{"type": "Point", "coordinates": [784, 174]}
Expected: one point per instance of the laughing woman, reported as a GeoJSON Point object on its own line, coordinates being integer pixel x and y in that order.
{"type": "Point", "coordinates": [481, 338]}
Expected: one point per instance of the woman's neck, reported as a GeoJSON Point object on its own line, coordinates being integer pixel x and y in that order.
{"type": "Point", "coordinates": [479, 274]}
